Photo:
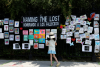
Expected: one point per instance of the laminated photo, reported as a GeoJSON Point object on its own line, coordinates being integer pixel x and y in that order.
{"type": "Point", "coordinates": [25, 38]}
{"type": "Point", "coordinates": [11, 22]}
{"type": "Point", "coordinates": [31, 37]}
{"type": "Point", "coordinates": [78, 40]}
{"type": "Point", "coordinates": [11, 37]}
{"type": "Point", "coordinates": [35, 46]}
{"type": "Point", "coordinates": [36, 31]}
{"type": "Point", "coordinates": [96, 36]}
{"type": "Point", "coordinates": [47, 31]}
{"type": "Point", "coordinates": [66, 23]}
{"type": "Point", "coordinates": [96, 17]}
{"type": "Point", "coordinates": [17, 37]}
{"type": "Point", "coordinates": [81, 30]}
{"type": "Point", "coordinates": [36, 40]}
{"type": "Point", "coordinates": [30, 31]}
{"type": "Point", "coordinates": [41, 40]}
{"type": "Point", "coordinates": [67, 28]}
{"type": "Point", "coordinates": [73, 17]}
{"type": "Point", "coordinates": [6, 20]}
{"type": "Point", "coordinates": [30, 42]}
{"type": "Point", "coordinates": [85, 27]}
{"type": "Point", "coordinates": [76, 34]}
{"type": "Point", "coordinates": [78, 27]}
{"type": "Point", "coordinates": [1, 35]}
{"type": "Point", "coordinates": [11, 29]}
{"type": "Point", "coordinates": [16, 30]}
{"type": "Point", "coordinates": [55, 36]}
{"type": "Point", "coordinates": [97, 43]}
{"type": "Point", "coordinates": [96, 30]}
{"type": "Point", "coordinates": [1, 22]}
{"type": "Point", "coordinates": [82, 35]}
{"type": "Point", "coordinates": [83, 22]}
{"type": "Point", "coordinates": [63, 36]}
{"type": "Point", "coordinates": [0, 30]}
{"type": "Point", "coordinates": [16, 46]}
{"type": "Point", "coordinates": [96, 49]}
{"type": "Point", "coordinates": [36, 35]}
{"type": "Point", "coordinates": [72, 23]}
{"type": "Point", "coordinates": [87, 35]}
{"type": "Point", "coordinates": [41, 46]}
{"type": "Point", "coordinates": [42, 31]}
{"type": "Point", "coordinates": [47, 36]}
{"type": "Point", "coordinates": [68, 19]}
{"type": "Point", "coordinates": [25, 32]}
{"type": "Point", "coordinates": [6, 34]}
{"type": "Point", "coordinates": [54, 30]}
{"type": "Point", "coordinates": [83, 17]}
{"type": "Point", "coordinates": [91, 36]}
{"type": "Point", "coordinates": [16, 23]}
{"type": "Point", "coordinates": [69, 34]}
{"type": "Point", "coordinates": [41, 35]}
{"type": "Point", "coordinates": [78, 20]}
{"type": "Point", "coordinates": [90, 29]}
{"type": "Point", "coordinates": [68, 40]}
{"type": "Point", "coordinates": [63, 31]}
{"type": "Point", "coordinates": [25, 46]}
{"type": "Point", "coordinates": [96, 24]}
{"type": "Point", "coordinates": [86, 48]}
{"type": "Point", "coordinates": [88, 42]}
{"type": "Point", "coordinates": [71, 27]}
{"type": "Point", "coordinates": [6, 41]}
{"type": "Point", "coordinates": [5, 27]}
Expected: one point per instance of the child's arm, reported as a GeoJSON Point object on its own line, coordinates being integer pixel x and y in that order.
{"type": "Point", "coordinates": [47, 44]}
{"type": "Point", "coordinates": [55, 43]}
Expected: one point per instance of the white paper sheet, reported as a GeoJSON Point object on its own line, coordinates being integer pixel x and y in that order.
{"type": "Point", "coordinates": [54, 30]}
{"type": "Point", "coordinates": [96, 17]}
{"type": "Point", "coordinates": [96, 30]}
{"type": "Point", "coordinates": [88, 42]}
{"type": "Point", "coordinates": [11, 37]}
{"type": "Point", "coordinates": [86, 48]}
{"type": "Point", "coordinates": [23, 46]}
{"type": "Point", "coordinates": [63, 36]}
{"type": "Point", "coordinates": [96, 49]}
{"type": "Point", "coordinates": [63, 31]}
{"type": "Point", "coordinates": [5, 27]}
{"type": "Point", "coordinates": [78, 40]}
{"type": "Point", "coordinates": [0, 30]}
{"type": "Point", "coordinates": [90, 29]}
{"type": "Point", "coordinates": [96, 24]}
{"type": "Point", "coordinates": [16, 23]}
{"type": "Point", "coordinates": [30, 42]}
{"type": "Point", "coordinates": [41, 45]}
{"type": "Point", "coordinates": [81, 30]}
{"type": "Point", "coordinates": [14, 46]}
{"type": "Point", "coordinates": [68, 40]}
{"type": "Point", "coordinates": [1, 35]}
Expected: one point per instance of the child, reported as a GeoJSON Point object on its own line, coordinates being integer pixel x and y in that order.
{"type": "Point", "coordinates": [51, 45]}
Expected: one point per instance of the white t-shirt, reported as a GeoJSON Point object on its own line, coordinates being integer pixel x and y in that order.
{"type": "Point", "coordinates": [51, 45]}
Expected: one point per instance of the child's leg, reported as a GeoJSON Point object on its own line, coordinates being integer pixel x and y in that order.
{"type": "Point", "coordinates": [51, 58]}
{"type": "Point", "coordinates": [55, 58]}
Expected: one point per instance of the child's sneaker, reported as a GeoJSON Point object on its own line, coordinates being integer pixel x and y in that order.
{"type": "Point", "coordinates": [58, 64]}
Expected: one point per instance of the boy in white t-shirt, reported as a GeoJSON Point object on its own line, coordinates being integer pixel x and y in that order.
{"type": "Point", "coordinates": [51, 47]}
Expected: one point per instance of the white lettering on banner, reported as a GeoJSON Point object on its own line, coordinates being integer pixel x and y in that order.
{"type": "Point", "coordinates": [29, 24]}
{"type": "Point", "coordinates": [30, 19]}
{"type": "Point", "coordinates": [43, 19]}
{"type": "Point", "coordinates": [42, 24]}
{"type": "Point", "coordinates": [52, 23]}
{"type": "Point", "coordinates": [54, 18]}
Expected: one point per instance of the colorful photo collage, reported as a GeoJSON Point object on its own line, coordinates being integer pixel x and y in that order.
{"type": "Point", "coordinates": [80, 28]}
{"type": "Point", "coordinates": [9, 30]}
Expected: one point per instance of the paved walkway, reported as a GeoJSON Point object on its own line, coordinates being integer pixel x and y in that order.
{"type": "Point", "coordinates": [22, 63]}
